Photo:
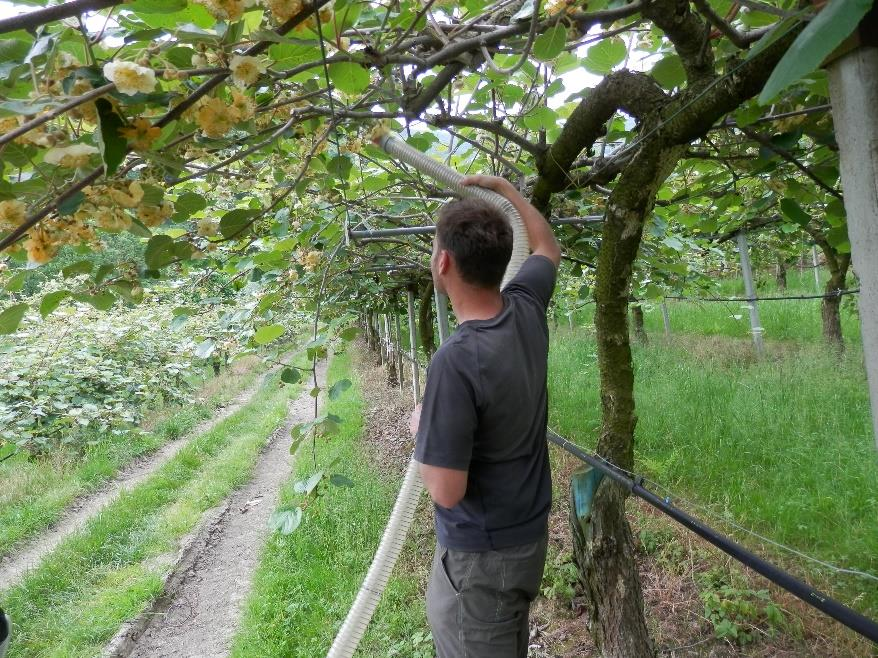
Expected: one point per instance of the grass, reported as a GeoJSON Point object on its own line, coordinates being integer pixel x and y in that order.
{"type": "Point", "coordinates": [35, 492]}
{"type": "Point", "coordinates": [797, 320]}
{"type": "Point", "coordinates": [307, 581]}
{"type": "Point", "coordinates": [782, 445]}
{"type": "Point", "coordinates": [75, 601]}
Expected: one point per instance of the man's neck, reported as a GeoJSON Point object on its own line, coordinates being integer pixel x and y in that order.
{"type": "Point", "coordinates": [473, 303]}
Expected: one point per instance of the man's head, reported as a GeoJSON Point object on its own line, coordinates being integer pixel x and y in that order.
{"type": "Point", "coordinates": [476, 236]}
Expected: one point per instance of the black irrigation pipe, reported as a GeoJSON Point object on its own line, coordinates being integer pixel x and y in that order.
{"type": "Point", "coordinates": [830, 295]}
{"type": "Point", "coordinates": [861, 624]}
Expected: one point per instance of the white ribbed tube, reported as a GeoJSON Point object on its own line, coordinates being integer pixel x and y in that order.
{"type": "Point", "coordinates": [403, 513]}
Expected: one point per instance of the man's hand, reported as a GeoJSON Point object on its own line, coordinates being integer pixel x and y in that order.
{"type": "Point", "coordinates": [415, 420]}
{"type": "Point", "coordinates": [542, 239]}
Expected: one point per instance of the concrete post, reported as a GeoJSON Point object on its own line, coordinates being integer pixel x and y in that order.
{"type": "Point", "coordinates": [399, 369]}
{"type": "Point", "coordinates": [413, 343]}
{"type": "Point", "coordinates": [750, 289]}
{"type": "Point", "coordinates": [853, 90]}
{"type": "Point", "coordinates": [442, 315]}
{"type": "Point", "coordinates": [816, 270]}
{"type": "Point", "coordinates": [380, 338]}
{"type": "Point", "coordinates": [666, 318]}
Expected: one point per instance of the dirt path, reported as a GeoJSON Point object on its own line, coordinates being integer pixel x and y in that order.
{"type": "Point", "coordinates": [13, 567]}
{"type": "Point", "coordinates": [199, 612]}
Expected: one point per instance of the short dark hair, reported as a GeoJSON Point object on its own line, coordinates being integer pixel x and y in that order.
{"type": "Point", "coordinates": [479, 238]}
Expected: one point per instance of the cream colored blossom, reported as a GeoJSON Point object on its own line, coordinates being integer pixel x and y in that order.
{"type": "Point", "coordinates": [199, 61]}
{"type": "Point", "coordinates": [40, 247]}
{"type": "Point", "coordinates": [283, 10]}
{"type": "Point", "coordinates": [153, 216]}
{"type": "Point", "coordinates": [215, 118]}
{"type": "Point", "coordinates": [73, 156]}
{"type": "Point", "coordinates": [141, 134]}
{"type": "Point", "coordinates": [207, 227]}
{"type": "Point", "coordinates": [310, 260]}
{"type": "Point", "coordinates": [130, 78]}
{"type": "Point", "coordinates": [129, 198]}
{"type": "Point", "coordinates": [12, 214]}
{"type": "Point", "coordinates": [242, 105]}
{"type": "Point", "coordinates": [225, 10]}
{"type": "Point", "coordinates": [112, 219]}
{"type": "Point", "coordinates": [245, 69]}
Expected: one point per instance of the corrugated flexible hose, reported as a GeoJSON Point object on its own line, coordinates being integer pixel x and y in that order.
{"type": "Point", "coordinates": [360, 614]}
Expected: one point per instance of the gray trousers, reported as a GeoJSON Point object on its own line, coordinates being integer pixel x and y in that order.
{"type": "Point", "coordinates": [478, 603]}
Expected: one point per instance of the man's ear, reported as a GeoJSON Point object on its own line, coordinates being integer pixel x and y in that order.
{"type": "Point", "coordinates": [443, 264]}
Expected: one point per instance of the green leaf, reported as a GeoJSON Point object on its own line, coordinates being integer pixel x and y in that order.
{"type": "Point", "coordinates": [102, 301]}
{"type": "Point", "coordinates": [236, 222]}
{"type": "Point", "coordinates": [349, 77]}
{"type": "Point", "coordinates": [11, 318]}
{"type": "Point", "coordinates": [153, 195]}
{"type": "Point", "coordinates": [349, 334]}
{"type": "Point", "coordinates": [205, 348]}
{"type": "Point", "coordinates": [80, 267]}
{"type": "Point", "coordinates": [102, 272]}
{"type": "Point", "coordinates": [286, 521]}
{"type": "Point", "coordinates": [290, 376]}
{"type": "Point", "coordinates": [550, 43]}
{"type": "Point", "coordinates": [51, 301]}
{"type": "Point", "coordinates": [341, 481]}
{"type": "Point", "coordinates": [16, 283]}
{"type": "Point", "coordinates": [338, 388]}
{"type": "Point", "coordinates": [186, 204]}
{"type": "Point", "coordinates": [794, 212]}
{"type": "Point", "coordinates": [268, 333]}
{"type": "Point", "coordinates": [819, 38]}
{"type": "Point", "coordinates": [307, 486]}
{"type": "Point", "coordinates": [71, 204]}
{"type": "Point", "coordinates": [113, 146]}
{"type": "Point", "coordinates": [159, 251]}
{"type": "Point", "coordinates": [669, 72]}
{"type": "Point", "coordinates": [604, 55]}
{"type": "Point", "coordinates": [178, 321]}
{"type": "Point", "coordinates": [540, 118]}
{"type": "Point", "coordinates": [156, 6]}
{"type": "Point", "coordinates": [838, 238]}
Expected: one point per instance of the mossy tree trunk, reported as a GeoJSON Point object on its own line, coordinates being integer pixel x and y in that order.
{"type": "Point", "coordinates": [830, 308]}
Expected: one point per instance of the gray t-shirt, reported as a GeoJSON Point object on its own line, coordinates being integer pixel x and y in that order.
{"type": "Point", "coordinates": [485, 410]}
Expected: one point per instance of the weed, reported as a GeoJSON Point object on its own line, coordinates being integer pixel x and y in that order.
{"type": "Point", "coordinates": [560, 579]}
{"type": "Point", "coordinates": [736, 611]}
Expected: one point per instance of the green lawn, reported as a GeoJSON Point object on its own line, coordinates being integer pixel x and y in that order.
{"type": "Point", "coordinates": [75, 601]}
{"type": "Point", "coordinates": [307, 581]}
{"type": "Point", "coordinates": [35, 492]}
{"type": "Point", "coordinates": [783, 446]}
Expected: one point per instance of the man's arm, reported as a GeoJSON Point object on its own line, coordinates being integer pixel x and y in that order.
{"type": "Point", "coordinates": [446, 486]}
{"type": "Point", "coordinates": [539, 232]}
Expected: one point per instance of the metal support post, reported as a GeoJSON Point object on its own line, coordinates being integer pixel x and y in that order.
{"type": "Point", "coordinates": [816, 269]}
{"type": "Point", "coordinates": [399, 352]}
{"type": "Point", "coordinates": [442, 315]}
{"type": "Point", "coordinates": [750, 289]}
{"type": "Point", "coordinates": [853, 89]}
{"type": "Point", "coordinates": [666, 318]}
{"type": "Point", "coordinates": [413, 347]}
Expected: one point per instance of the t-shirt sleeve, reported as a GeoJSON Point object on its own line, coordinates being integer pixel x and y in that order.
{"type": "Point", "coordinates": [536, 279]}
{"type": "Point", "coordinates": [448, 417]}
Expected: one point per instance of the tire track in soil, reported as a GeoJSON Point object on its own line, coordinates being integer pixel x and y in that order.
{"type": "Point", "coordinates": [15, 566]}
{"type": "Point", "coordinates": [198, 614]}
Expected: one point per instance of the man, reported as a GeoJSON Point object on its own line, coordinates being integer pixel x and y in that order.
{"type": "Point", "coordinates": [481, 429]}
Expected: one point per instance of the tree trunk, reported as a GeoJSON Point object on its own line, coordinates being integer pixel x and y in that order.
{"type": "Point", "coordinates": [425, 320]}
{"type": "Point", "coordinates": [781, 273]}
{"type": "Point", "coordinates": [371, 336]}
{"type": "Point", "coordinates": [637, 321]}
{"type": "Point", "coordinates": [606, 557]}
{"type": "Point", "coordinates": [832, 304]}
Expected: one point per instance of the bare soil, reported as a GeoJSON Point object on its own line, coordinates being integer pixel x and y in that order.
{"type": "Point", "coordinates": [198, 614]}
{"type": "Point", "coordinates": [14, 566]}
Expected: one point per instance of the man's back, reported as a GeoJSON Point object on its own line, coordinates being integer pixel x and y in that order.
{"type": "Point", "coordinates": [485, 411]}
